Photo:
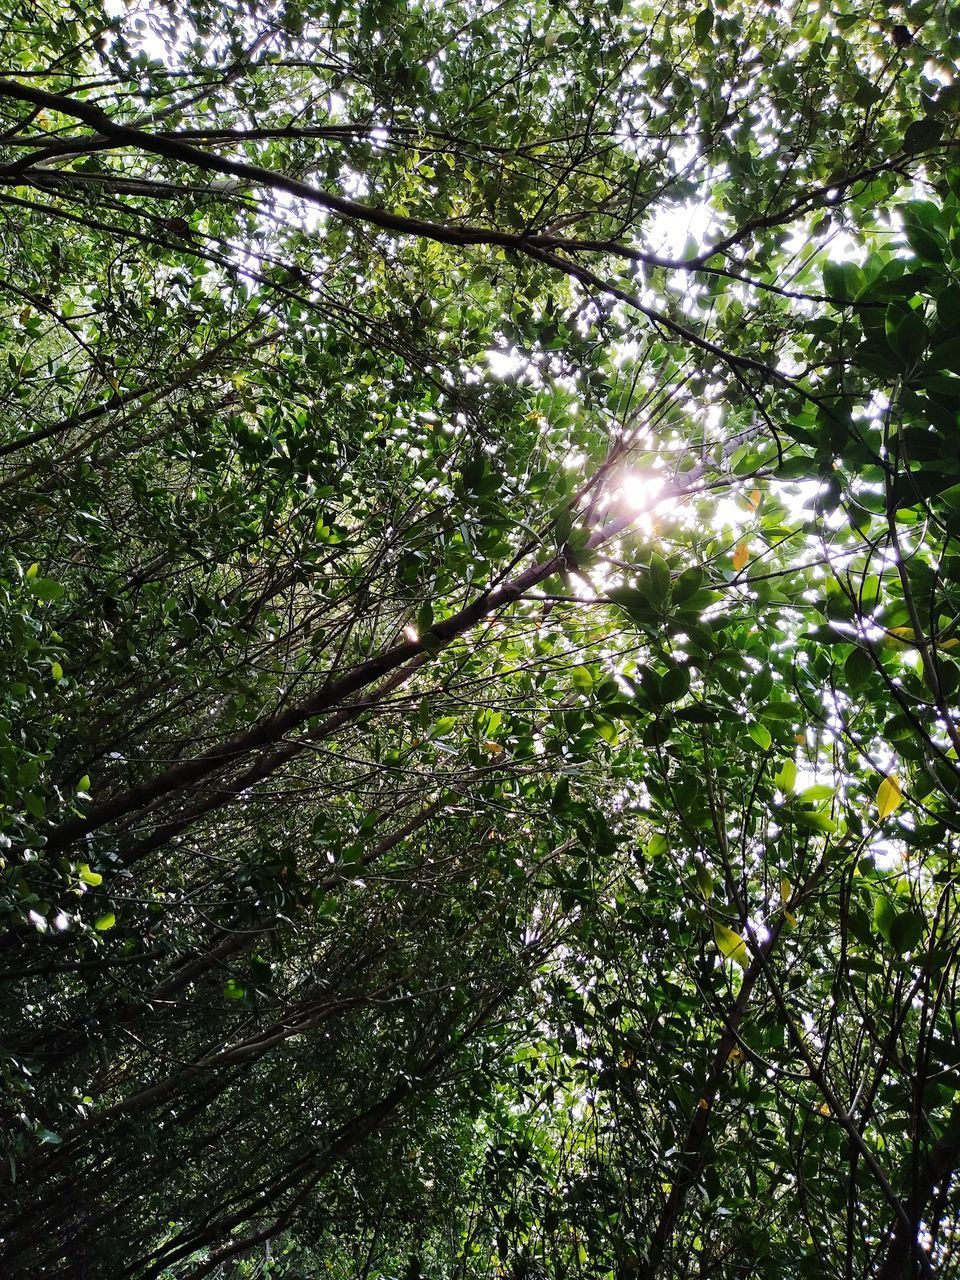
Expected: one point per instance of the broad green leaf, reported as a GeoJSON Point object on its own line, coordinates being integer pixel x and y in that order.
{"type": "Point", "coordinates": [45, 588]}
{"type": "Point", "coordinates": [674, 684]}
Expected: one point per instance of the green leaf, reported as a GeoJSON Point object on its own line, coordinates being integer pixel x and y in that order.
{"type": "Point", "coordinates": [906, 931]}
{"type": "Point", "coordinates": [581, 679]}
{"type": "Point", "coordinates": [674, 684]}
{"type": "Point", "coordinates": [922, 134]}
{"type": "Point", "coordinates": [858, 668]}
{"type": "Point", "coordinates": [906, 333]}
{"type": "Point", "coordinates": [883, 916]}
{"type": "Point", "coordinates": [45, 588]}
{"type": "Point", "coordinates": [92, 878]}
{"type": "Point", "coordinates": [760, 734]}
{"type": "Point", "coordinates": [842, 281]}
{"type": "Point", "coordinates": [704, 880]}
{"type": "Point", "coordinates": [814, 820]}
{"type": "Point", "coordinates": [944, 356]}
{"type": "Point", "coordinates": [819, 791]}
{"type": "Point", "coordinates": [105, 922]}
{"type": "Point", "coordinates": [786, 779]}
{"type": "Point", "coordinates": [659, 579]}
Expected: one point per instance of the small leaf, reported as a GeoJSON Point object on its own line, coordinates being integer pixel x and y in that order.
{"type": "Point", "coordinates": [105, 922]}
{"type": "Point", "coordinates": [92, 878]}
{"type": "Point", "coordinates": [56, 670]}
{"type": "Point", "coordinates": [581, 679]}
{"type": "Point", "coordinates": [659, 579]}
{"type": "Point", "coordinates": [883, 917]}
{"type": "Point", "coordinates": [731, 945]}
{"type": "Point", "coordinates": [889, 797]}
{"type": "Point", "coordinates": [32, 571]}
{"type": "Point", "coordinates": [741, 557]}
{"type": "Point", "coordinates": [815, 820]}
{"type": "Point", "coordinates": [704, 881]}
{"type": "Point", "coordinates": [786, 779]}
{"type": "Point", "coordinates": [760, 734]}
{"type": "Point", "coordinates": [84, 783]}
{"type": "Point", "coordinates": [819, 791]}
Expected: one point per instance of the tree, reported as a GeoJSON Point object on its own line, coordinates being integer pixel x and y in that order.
{"type": "Point", "coordinates": [479, 742]}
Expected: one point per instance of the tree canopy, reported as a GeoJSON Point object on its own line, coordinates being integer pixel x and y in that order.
{"type": "Point", "coordinates": [480, 596]}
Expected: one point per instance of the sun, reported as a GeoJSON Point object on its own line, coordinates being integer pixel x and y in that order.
{"type": "Point", "coordinates": [637, 491]}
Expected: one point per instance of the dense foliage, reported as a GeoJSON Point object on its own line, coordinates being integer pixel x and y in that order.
{"type": "Point", "coordinates": [480, 596]}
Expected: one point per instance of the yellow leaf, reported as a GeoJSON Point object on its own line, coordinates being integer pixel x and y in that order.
{"type": "Point", "coordinates": [889, 797]}
{"type": "Point", "coordinates": [703, 1105]}
{"type": "Point", "coordinates": [735, 1053]}
{"type": "Point", "coordinates": [901, 637]}
{"type": "Point", "coordinates": [824, 1109]}
{"type": "Point", "coordinates": [790, 918]}
{"type": "Point", "coordinates": [741, 556]}
{"type": "Point", "coordinates": [731, 945]}
{"type": "Point", "coordinates": [494, 748]}
{"type": "Point", "coordinates": [785, 890]}
{"type": "Point", "coordinates": [754, 499]}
